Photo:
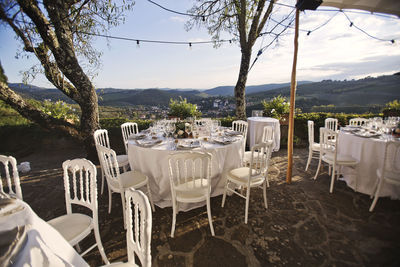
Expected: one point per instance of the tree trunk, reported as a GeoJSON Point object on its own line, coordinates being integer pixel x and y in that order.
{"type": "Point", "coordinates": [240, 88]}
{"type": "Point", "coordinates": [90, 123]}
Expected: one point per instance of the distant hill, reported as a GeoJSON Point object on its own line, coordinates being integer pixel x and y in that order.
{"type": "Point", "coordinates": [228, 90]}
{"type": "Point", "coordinates": [367, 91]}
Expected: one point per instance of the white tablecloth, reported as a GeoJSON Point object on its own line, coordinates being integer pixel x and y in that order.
{"type": "Point", "coordinates": [370, 152]}
{"type": "Point", "coordinates": [154, 163]}
{"type": "Point", "coordinates": [256, 128]}
{"type": "Point", "coordinates": [38, 244]}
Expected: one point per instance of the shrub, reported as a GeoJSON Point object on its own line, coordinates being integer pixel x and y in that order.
{"type": "Point", "coordinates": [59, 110]}
{"type": "Point", "coordinates": [182, 109]}
{"type": "Point", "coordinates": [392, 109]}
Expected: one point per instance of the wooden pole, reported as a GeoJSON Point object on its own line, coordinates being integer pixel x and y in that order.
{"type": "Point", "coordinates": [292, 101]}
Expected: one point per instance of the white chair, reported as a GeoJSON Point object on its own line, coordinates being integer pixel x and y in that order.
{"type": "Point", "coordinates": [332, 124]}
{"type": "Point", "coordinates": [190, 179]}
{"type": "Point", "coordinates": [80, 189]}
{"type": "Point", "coordinates": [267, 137]}
{"type": "Point", "coordinates": [13, 183]}
{"type": "Point", "coordinates": [241, 126]}
{"type": "Point", "coordinates": [101, 138]}
{"type": "Point", "coordinates": [119, 182]}
{"type": "Point", "coordinates": [138, 234]}
{"type": "Point", "coordinates": [252, 176]}
{"type": "Point", "coordinates": [358, 122]}
{"type": "Point", "coordinates": [328, 153]}
{"type": "Point", "coordinates": [313, 148]}
{"type": "Point", "coordinates": [389, 171]}
{"type": "Point", "coordinates": [128, 129]}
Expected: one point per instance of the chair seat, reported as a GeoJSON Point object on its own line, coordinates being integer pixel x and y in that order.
{"type": "Point", "coordinates": [241, 176]}
{"type": "Point", "coordinates": [316, 147]}
{"type": "Point", "coordinates": [73, 227]}
{"type": "Point", "coordinates": [340, 159]}
{"type": "Point", "coordinates": [122, 160]}
{"type": "Point", "coordinates": [133, 178]}
{"type": "Point", "coordinates": [185, 194]}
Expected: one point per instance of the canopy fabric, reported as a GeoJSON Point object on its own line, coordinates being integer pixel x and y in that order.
{"type": "Point", "coordinates": [379, 6]}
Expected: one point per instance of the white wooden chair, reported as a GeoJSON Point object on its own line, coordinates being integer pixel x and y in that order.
{"type": "Point", "coordinates": [267, 137]}
{"type": "Point", "coordinates": [331, 124]}
{"type": "Point", "coordinates": [139, 224]}
{"type": "Point", "coordinates": [328, 153]}
{"type": "Point", "coordinates": [80, 189]}
{"type": "Point", "coordinates": [389, 171]}
{"type": "Point", "coordinates": [241, 126]}
{"type": "Point", "coordinates": [101, 138]}
{"type": "Point", "coordinates": [252, 176]}
{"type": "Point", "coordinates": [358, 121]}
{"type": "Point", "coordinates": [128, 129]}
{"type": "Point", "coordinates": [313, 148]}
{"type": "Point", "coordinates": [119, 182]}
{"type": "Point", "coordinates": [11, 176]}
{"type": "Point", "coordinates": [190, 179]}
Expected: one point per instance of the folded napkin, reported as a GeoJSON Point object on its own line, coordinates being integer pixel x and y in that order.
{"type": "Point", "coordinates": [232, 133]}
{"type": "Point", "coordinates": [137, 136]}
{"type": "Point", "coordinates": [148, 143]}
{"type": "Point", "coordinates": [224, 140]}
{"type": "Point", "coordinates": [188, 144]}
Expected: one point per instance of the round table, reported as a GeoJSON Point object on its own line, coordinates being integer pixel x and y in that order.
{"type": "Point", "coordinates": [256, 128]}
{"type": "Point", "coordinates": [32, 241]}
{"type": "Point", "coordinates": [370, 153]}
{"type": "Point", "coordinates": [153, 161]}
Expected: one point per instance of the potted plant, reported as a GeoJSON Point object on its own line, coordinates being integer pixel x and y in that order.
{"type": "Point", "coordinates": [278, 108]}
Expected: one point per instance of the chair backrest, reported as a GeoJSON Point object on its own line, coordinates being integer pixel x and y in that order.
{"type": "Point", "coordinates": [80, 184]}
{"type": "Point", "coordinates": [11, 176]}
{"type": "Point", "coordinates": [358, 121]}
{"type": "Point", "coordinates": [189, 171]}
{"type": "Point", "coordinates": [331, 123]}
{"type": "Point", "coordinates": [240, 126]}
{"type": "Point", "coordinates": [391, 166]}
{"type": "Point", "coordinates": [101, 138]}
{"type": "Point", "coordinates": [310, 125]}
{"type": "Point", "coordinates": [128, 128]}
{"type": "Point", "coordinates": [268, 134]}
{"type": "Point", "coordinates": [109, 164]}
{"type": "Point", "coordinates": [260, 155]}
{"type": "Point", "coordinates": [328, 140]}
{"type": "Point", "coordinates": [139, 224]}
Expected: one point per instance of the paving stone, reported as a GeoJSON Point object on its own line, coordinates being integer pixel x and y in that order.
{"type": "Point", "coordinates": [311, 233]}
{"type": "Point", "coordinates": [219, 253]}
{"type": "Point", "coordinates": [186, 241]}
{"type": "Point", "coordinates": [240, 234]}
{"type": "Point", "coordinates": [170, 260]}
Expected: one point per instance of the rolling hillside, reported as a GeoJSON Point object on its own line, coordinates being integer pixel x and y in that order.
{"type": "Point", "coordinates": [363, 92]}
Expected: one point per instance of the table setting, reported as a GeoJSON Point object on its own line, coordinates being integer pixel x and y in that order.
{"type": "Point", "coordinates": [149, 154]}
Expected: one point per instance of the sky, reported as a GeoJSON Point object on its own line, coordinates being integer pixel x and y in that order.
{"type": "Point", "coordinates": [335, 51]}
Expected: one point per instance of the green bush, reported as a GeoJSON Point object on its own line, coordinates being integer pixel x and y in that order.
{"type": "Point", "coordinates": [182, 109]}
{"type": "Point", "coordinates": [110, 123]}
{"type": "Point", "coordinates": [276, 107]}
{"type": "Point", "coordinates": [392, 109]}
{"type": "Point", "coordinates": [59, 110]}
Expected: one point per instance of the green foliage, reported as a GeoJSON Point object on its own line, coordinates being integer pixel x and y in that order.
{"type": "Point", "coordinates": [115, 123]}
{"type": "Point", "coordinates": [10, 117]}
{"type": "Point", "coordinates": [182, 109]}
{"type": "Point", "coordinates": [395, 104]}
{"type": "Point", "coordinates": [59, 110]}
{"type": "Point", "coordinates": [227, 121]}
{"type": "Point", "coordinates": [276, 107]}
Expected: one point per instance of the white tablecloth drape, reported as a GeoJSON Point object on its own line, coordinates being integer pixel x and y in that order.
{"type": "Point", "coordinates": [32, 241]}
{"type": "Point", "coordinates": [154, 163]}
{"type": "Point", "coordinates": [256, 128]}
{"type": "Point", "coordinates": [370, 152]}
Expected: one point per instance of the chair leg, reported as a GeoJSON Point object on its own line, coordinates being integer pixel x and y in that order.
{"type": "Point", "coordinates": [173, 217]}
{"type": "Point", "coordinates": [102, 181]}
{"type": "Point", "coordinates": [109, 200]}
{"type": "Point", "coordinates": [377, 192]}
{"type": "Point", "coordinates": [332, 179]}
{"type": "Point", "coordinates": [309, 158]}
{"type": "Point", "coordinates": [98, 242]}
{"type": "Point", "coordinates": [123, 207]}
{"type": "Point", "coordinates": [265, 195]}
{"type": "Point", "coordinates": [246, 212]}
{"type": "Point", "coordinates": [209, 216]}
{"type": "Point", "coordinates": [224, 196]}
{"type": "Point", "coordinates": [319, 166]}
{"type": "Point", "coordinates": [150, 197]}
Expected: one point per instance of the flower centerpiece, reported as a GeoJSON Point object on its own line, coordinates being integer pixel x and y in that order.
{"type": "Point", "coordinates": [183, 129]}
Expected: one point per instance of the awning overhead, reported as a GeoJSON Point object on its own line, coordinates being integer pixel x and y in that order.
{"type": "Point", "coordinates": [379, 6]}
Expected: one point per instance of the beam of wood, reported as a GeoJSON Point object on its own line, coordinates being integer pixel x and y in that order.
{"type": "Point", "coordinates": [292, 102]}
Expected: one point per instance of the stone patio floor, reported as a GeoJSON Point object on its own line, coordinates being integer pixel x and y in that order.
{"type": "Point", "coordinates": [304, 225]}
